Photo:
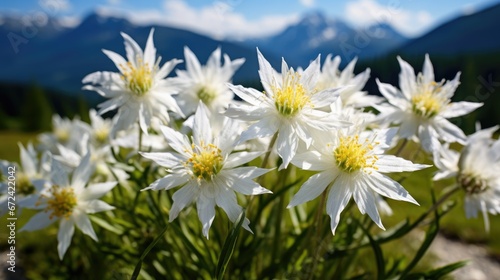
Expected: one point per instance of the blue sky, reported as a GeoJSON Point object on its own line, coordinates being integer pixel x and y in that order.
{"type": "Point", "coordinates": [253, 18]}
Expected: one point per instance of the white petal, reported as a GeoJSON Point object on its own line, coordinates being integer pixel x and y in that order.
{"type": "Point", "coordinates": [389, 163]}
{"type": "Point", "coordinates": [117, 59]}
{"type": "Point", "coordinates": [385, 186]}
{"type": "Point", "coordinates": [132, 49]}
{"type": "Point", "coordinates": [192, 64]}
{"type": "Point", "coordinates": [168, 160]}
{"type": "Point", "coordinates": [287, 144]}
{"type": "Point", "coordinates": [96, 191]}
{"type": "Point", "coordinates": [338, 197]}
{"type": "Point", "coordinates": [393, 95]}
{"type": "Point", "coordinates": [226, 199]}
{"type": "Point", "coordinates": [206, 212]}
{"type": "Point", "coordinates": [242, 185]}
{"type": "Point", "coordinates": [263, 128]}
{"type": "Point", "coordinates": [168, 182]}
{"type": "Point", "coordinates": [313, 187]}
{"type": "Point", "coordinates": [248, 172]}
{"type": "Point", "coordinates": [96, 206]}
{"type": "Point", "coordinates": [82, 173]}
{"type": "Point", "coordinates": [64, 235]}
{"type": "Point", "coordinates": [82, 221]}
{"type": "Point", "coordinates": [28, 163]}
{"type": "Point", "coordinates": [366, 201]}
{"type": "Point", "coordinates": [428, 70]}
{"type": "Point", "coordinates": [407, 81]}
{"type": "Point", "coordinates": [448, 131]}
{"type": "Point", "coordinates": [150, 50]}
{"type": "Point", "coordinates": [237, 159]}
{"type": "Point", "coordinates": [461, 108]}
{"type": "Point", "coordinates": [38, 221]}
{"type": "Point", "coordinates": [58, 174]}
{"type": "Point", "coordinates": [312, 160]}
{"type": "Point", "coordinates": [249, 95]}
{"type": "Point", "coordinates": [176, 140]}
{"type": "Point", "coordinates": [202, 130]}
{"type": "Point", "coordinates": [428, 138]}
{"type": "Point", "coordinates": [182, 198]}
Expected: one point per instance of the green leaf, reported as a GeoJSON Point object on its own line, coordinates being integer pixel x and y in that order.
{"type": "Point", "coordinates": [429, 237]}
{"type": "Point", "coordinates": [379, 256]}
{"type": "Point", "coordinates": [447, 269]}
{"type": "Point", "coordinates": [104, 224]}
{"type": "Point", "coordinates": [228, 247]}
{"type": "Point", "coordinates": [137, 269]}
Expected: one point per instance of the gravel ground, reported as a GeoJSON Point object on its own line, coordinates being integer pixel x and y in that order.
{"type": "Point", "coordinates": [480, 265]}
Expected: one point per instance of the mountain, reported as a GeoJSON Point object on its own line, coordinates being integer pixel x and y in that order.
{"type": "Point", "coordinates": [317, 34]}
{"type": "Point", "coordinates": [466, 34]}
{"type": "Point", "coordinates": [62, 61]}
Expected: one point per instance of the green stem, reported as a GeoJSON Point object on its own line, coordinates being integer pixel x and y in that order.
{"type": "Point", "coordinates": [140, 139]}
{"type": "Point", "coordinates": [401, 148]}
{"type": "Point", "coordinates": [279, 217]}
{"type": "Point", "coordinates": [319, 221]}
{"type": "Point", "coordinates": [269, 150]}
{"type": "Point", "coordinates": [137, 269]}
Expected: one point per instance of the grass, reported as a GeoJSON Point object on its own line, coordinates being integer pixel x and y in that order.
{"type": "Point", "coordinates": [9, 149]}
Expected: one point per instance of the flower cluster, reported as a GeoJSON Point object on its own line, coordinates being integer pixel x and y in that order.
{"type": "Point", "coordinates": [187, 132]}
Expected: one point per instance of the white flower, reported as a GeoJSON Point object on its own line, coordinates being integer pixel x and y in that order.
{"type": "Point", "coordinates": [351, 94]}
{"type": "Point", "coordinates": [70, 202]}
{"type": "Point", "coordinates": [423, 106]}
{"type": "Point", "coordinates": [140, 91]}
{"type": "Point", "coordinates": [206, 170]}
{"type": "Point", "coordinates": [350, 164]}
{"type": "Point", "coordinates": [477, 172]}
{"type": "Point", "coordinates": [205, 83]}
{"type": "Point", "coordinates": [65, 132]}
{"type": "Point", "coordinates": [30, 177]}
{"type": "Point", "coordinates": [289, 106]}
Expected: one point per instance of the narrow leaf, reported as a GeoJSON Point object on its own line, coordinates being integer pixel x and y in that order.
{"type": "Point", "coordinates": [228, 247]}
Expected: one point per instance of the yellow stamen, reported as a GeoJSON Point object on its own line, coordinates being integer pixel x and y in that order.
{"type": "Point", "coordinates": [206, 161]}
{"type": "Point", "coordinates": [428, 103]}
{"type": "Point", "coordinates": [350, 155]}
{"type": "Point", "coordinates": [138, 79]}
{"type": "Point", "coordinates": [206, 95]}
{"type": "Point", "coordinates": [62, 135]}
{"type": "Point", "coordinates": [292, 97]}
{"type": "Point", "coordinates": [472, 184]}
{"type": "Point", "coordinates": [24, 185]}
{"type": "Point", "coordinates": [101, 134]}
{"type": "Point", "coordinates": [62, 202]}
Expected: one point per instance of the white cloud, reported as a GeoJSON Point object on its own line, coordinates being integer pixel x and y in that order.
{"type": "Point", "coordinates": [469, 9]}
{"type": "Point", "coordinates": [114, 2]}
{"type": "Point", "coordinates": [307, 3]}
{"type": "Point", "coordinates": [366, 12]}
{"type": "Point", "coordinates": [55, 5]}
{"type": "Point", "coordinates": [219, 20]}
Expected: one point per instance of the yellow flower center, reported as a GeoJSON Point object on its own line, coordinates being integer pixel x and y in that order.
{"type": "Point", "coordinates": [24, 185]}
{"type": "Point", "coordinates": [206, 95]}
{"type": "Point", "coordinates": [472, 184]}
{"type": "Point", "coordinates": [62, 135]}
{"type": "Point", "coordinates": [101, 134]}
{"type": "Point", "coordinates": [428, 103]}
{"type": "Point", "coordinates": [350, 155]}
{"type": "Point", "coordinates": [62, 202]}
{"type": "Point", "coordinates": [292, 97]}
{"type": "Point", "coordinates": [206, 161]}
{"type": "Point", "coordinates": [138, 79]}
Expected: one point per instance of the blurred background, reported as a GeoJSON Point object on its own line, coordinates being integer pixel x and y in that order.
{"type": "Point", "coordinates": [48, 46]}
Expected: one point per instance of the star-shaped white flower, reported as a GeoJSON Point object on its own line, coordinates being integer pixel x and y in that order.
{"type": "Point", "coordinates": [423, 106]}
{"type": "Point", "coordinates": [350, 164]}
{"type": "Point", "coordinates": [289, 106]}
{"type": "Point", "coordinates": [352, 93]}
{"type": "Point", "coordinates": [205, 83]}
{"type": "Point", "coordinates": [140, 91]}
{"type": "Point", "coordinates": [69, 202]}
{"type": "Point", "coordinates": [476, 170]}
{"type": "Point", "coordinates": [207, 171]}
